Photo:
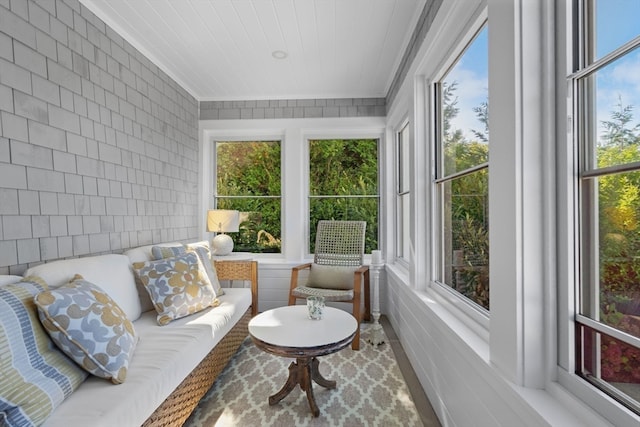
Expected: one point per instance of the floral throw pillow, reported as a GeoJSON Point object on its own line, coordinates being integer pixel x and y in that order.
{"type": "Point", "coordinates": [89, 327]}
{"type": "Point", "coordinates": [178, 286]}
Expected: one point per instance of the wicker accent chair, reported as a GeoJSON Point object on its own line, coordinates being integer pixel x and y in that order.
{"type": "Point", "coordinates": [337, 272]}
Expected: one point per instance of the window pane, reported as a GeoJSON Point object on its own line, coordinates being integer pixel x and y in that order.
{"type": "Point", "coordinates": [347, 168]}
{"type": "Point", "coordinates": [248, 180]}
{"type": "Point", "coordinates": [343, 167]}
{"type": "Point", "coordinates": [404, 166]}
{"type": "Point", "coordinates": [611, 364]}
{"type": "Point", "coordinates": [616, 113]}
{"type": "Point", "coordinates": [466, 235]}
{"type": "Point", "coordinates": [248, 168]}
{"type": "Point", "coordinates": [464, 109]}
{"type": "Point", "coordinates": [259, 224]}
{"type": "Point", "coordinates": [609, 136]}
{"type": "Point", "coordinates": [614, 293]}
{"type": "Point", "coordinates": [403, 196]}
{"type": "Point", "coordinates": [616, 23]}
{"type": "Point", "coordinates": [404, 240]}
{"type": "Point", "coordinates": [346, 209]}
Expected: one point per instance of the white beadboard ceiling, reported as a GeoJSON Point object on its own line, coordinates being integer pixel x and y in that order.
{"type": "Point", "coordinates": [222, 49]}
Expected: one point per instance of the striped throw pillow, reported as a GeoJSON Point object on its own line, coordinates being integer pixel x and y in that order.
{"type": "Point", "coordinates": [36, 375]}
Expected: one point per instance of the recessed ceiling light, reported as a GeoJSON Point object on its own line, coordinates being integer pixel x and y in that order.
{"type": "Point", "coordinates": [279, 54]}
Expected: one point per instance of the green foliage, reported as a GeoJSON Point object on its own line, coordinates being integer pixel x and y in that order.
{"type": "Point", "coordinates": [344, 167]}
{"type": "Point", "coordinates": [618, 130]}
{"type": "Point", "coordinates": [249, 180]}
{"type": "Point", "coordinates": [482, 112]}
{"type": "Point", "coordinates": [248, 168]}
{"type": "Point", "coordinates": [472, 279]}
{"type": "Point", "coordinates": [619, 208]}
{"type": "Point", "coordinates": [251, 169]}
{"type": "Point", "coordinates": [466, 200]}
{"type": "Point", "coordinates": [618, 196]}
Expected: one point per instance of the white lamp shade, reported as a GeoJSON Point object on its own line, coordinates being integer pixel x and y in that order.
{"type": "Point", "coordinates": [223, 221]}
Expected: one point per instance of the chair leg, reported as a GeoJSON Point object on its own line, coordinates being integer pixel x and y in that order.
{"type": "Point", "coordinates": [292, 286]}
{"type": "Point", "coordinates": [355, 345]}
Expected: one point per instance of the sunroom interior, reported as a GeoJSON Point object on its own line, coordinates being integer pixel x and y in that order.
{"type": "Point", "coordinates": [496, 127]}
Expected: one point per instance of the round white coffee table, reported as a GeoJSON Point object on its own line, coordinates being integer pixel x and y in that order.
{"type": "Point", "coordinates": [288, 332]}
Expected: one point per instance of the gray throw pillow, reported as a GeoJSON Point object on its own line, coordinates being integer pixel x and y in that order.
{"type": "Point", "coordinates": [331, 277]}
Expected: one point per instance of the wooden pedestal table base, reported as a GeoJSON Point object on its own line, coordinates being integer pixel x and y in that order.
{"type": "Point", "coordinates": [287, 332]}
{"type": "Point", "coordinates": [303, 371]}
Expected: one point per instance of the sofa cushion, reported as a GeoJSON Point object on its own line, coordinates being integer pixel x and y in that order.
{"type": "Point", "coordinates": [36, 375]}
{"type": "Point", "coordinates": [163, 359]}
{"type": "Point", "coordinates": [331, 277]}
{"type": "Point", "coordinates": [178, 286]}
{"type": "Point", "coordinates": [90, 327]}
{"type": "Point", "coordinates": [5, 279]}
{"type": "Point", "coordinates": [110, 272]}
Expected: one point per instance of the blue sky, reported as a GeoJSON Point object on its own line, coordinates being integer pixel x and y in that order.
{"type": "Point", "coordinates": [617, 22]}
{"type": "Point", "coordinates": [471, 73]}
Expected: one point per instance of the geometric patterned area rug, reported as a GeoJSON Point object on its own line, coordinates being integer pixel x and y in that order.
{"type": "Point", "coordinates": [370, 391]}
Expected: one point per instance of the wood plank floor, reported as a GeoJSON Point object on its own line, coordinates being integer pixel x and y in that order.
{"type": "Point", "coordinates": [423, 405]}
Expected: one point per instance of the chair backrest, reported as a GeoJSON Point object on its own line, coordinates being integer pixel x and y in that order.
{"type": "Point", "coordinates": [340, 243]}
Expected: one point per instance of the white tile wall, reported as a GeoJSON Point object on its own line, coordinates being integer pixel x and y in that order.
{"type": "Point", "coordinates": [26, 154]}
{"type": "Point", "coordinates": [29, 202]}
{"type": "Point", "coordinates": [97, 145]}
{"type": "Point", "coordinates": [4, 144]}
{"type": "Point", "coordinates": [8, 201]}
{"type": "Point", "coordinates": [8, 252]}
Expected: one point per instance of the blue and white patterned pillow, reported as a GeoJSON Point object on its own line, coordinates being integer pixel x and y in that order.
{"type": "Point", "coordinates": [90, 327]}
{"type": "Point", "coordinates": [177, 286]}
{"type": "Point", "coordinates": [35, 375]}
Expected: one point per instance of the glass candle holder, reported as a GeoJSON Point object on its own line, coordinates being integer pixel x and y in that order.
{"type": "Point", "coordinates": [315, 305]}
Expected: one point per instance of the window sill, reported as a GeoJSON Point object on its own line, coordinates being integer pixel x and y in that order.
{"type": "Point", "coordinates": [459, 337]}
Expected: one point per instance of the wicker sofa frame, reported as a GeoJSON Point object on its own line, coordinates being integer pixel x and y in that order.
{"type": "Point", "coordinates": [177, 407]}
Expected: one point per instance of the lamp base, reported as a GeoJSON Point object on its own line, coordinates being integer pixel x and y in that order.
{"type": "Point", "coordinates": [222, 244]}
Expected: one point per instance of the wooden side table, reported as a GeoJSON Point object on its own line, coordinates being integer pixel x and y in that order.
{"type": "Point", "coordinates": [230, 269]}
{"type": "Point", "coordinates": [288, 332]}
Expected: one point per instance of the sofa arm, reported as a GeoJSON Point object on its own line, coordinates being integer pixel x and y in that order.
{"type": "Point", "coordinates": [240, 270]}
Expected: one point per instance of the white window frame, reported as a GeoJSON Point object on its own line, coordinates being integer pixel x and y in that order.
{"type": "Point", "coordinates": [569, 45]}
{"type": "Point", "coordinates": [471, 311]}
{"type": "Point", "coordinates": [402, 225]}
{"type": "Point", "coordinates": [342, 135]}
{"type": "Point", "coordinates": [293, 134]}
{"type": "Point", "coordinates": [214, 196]}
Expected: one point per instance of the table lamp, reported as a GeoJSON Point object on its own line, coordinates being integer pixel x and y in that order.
{"type": "Point", "coordinates": [222, 221]}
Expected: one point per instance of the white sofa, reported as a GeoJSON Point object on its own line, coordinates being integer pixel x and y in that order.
{"type": "Point", "coordinates": [173, 365]}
